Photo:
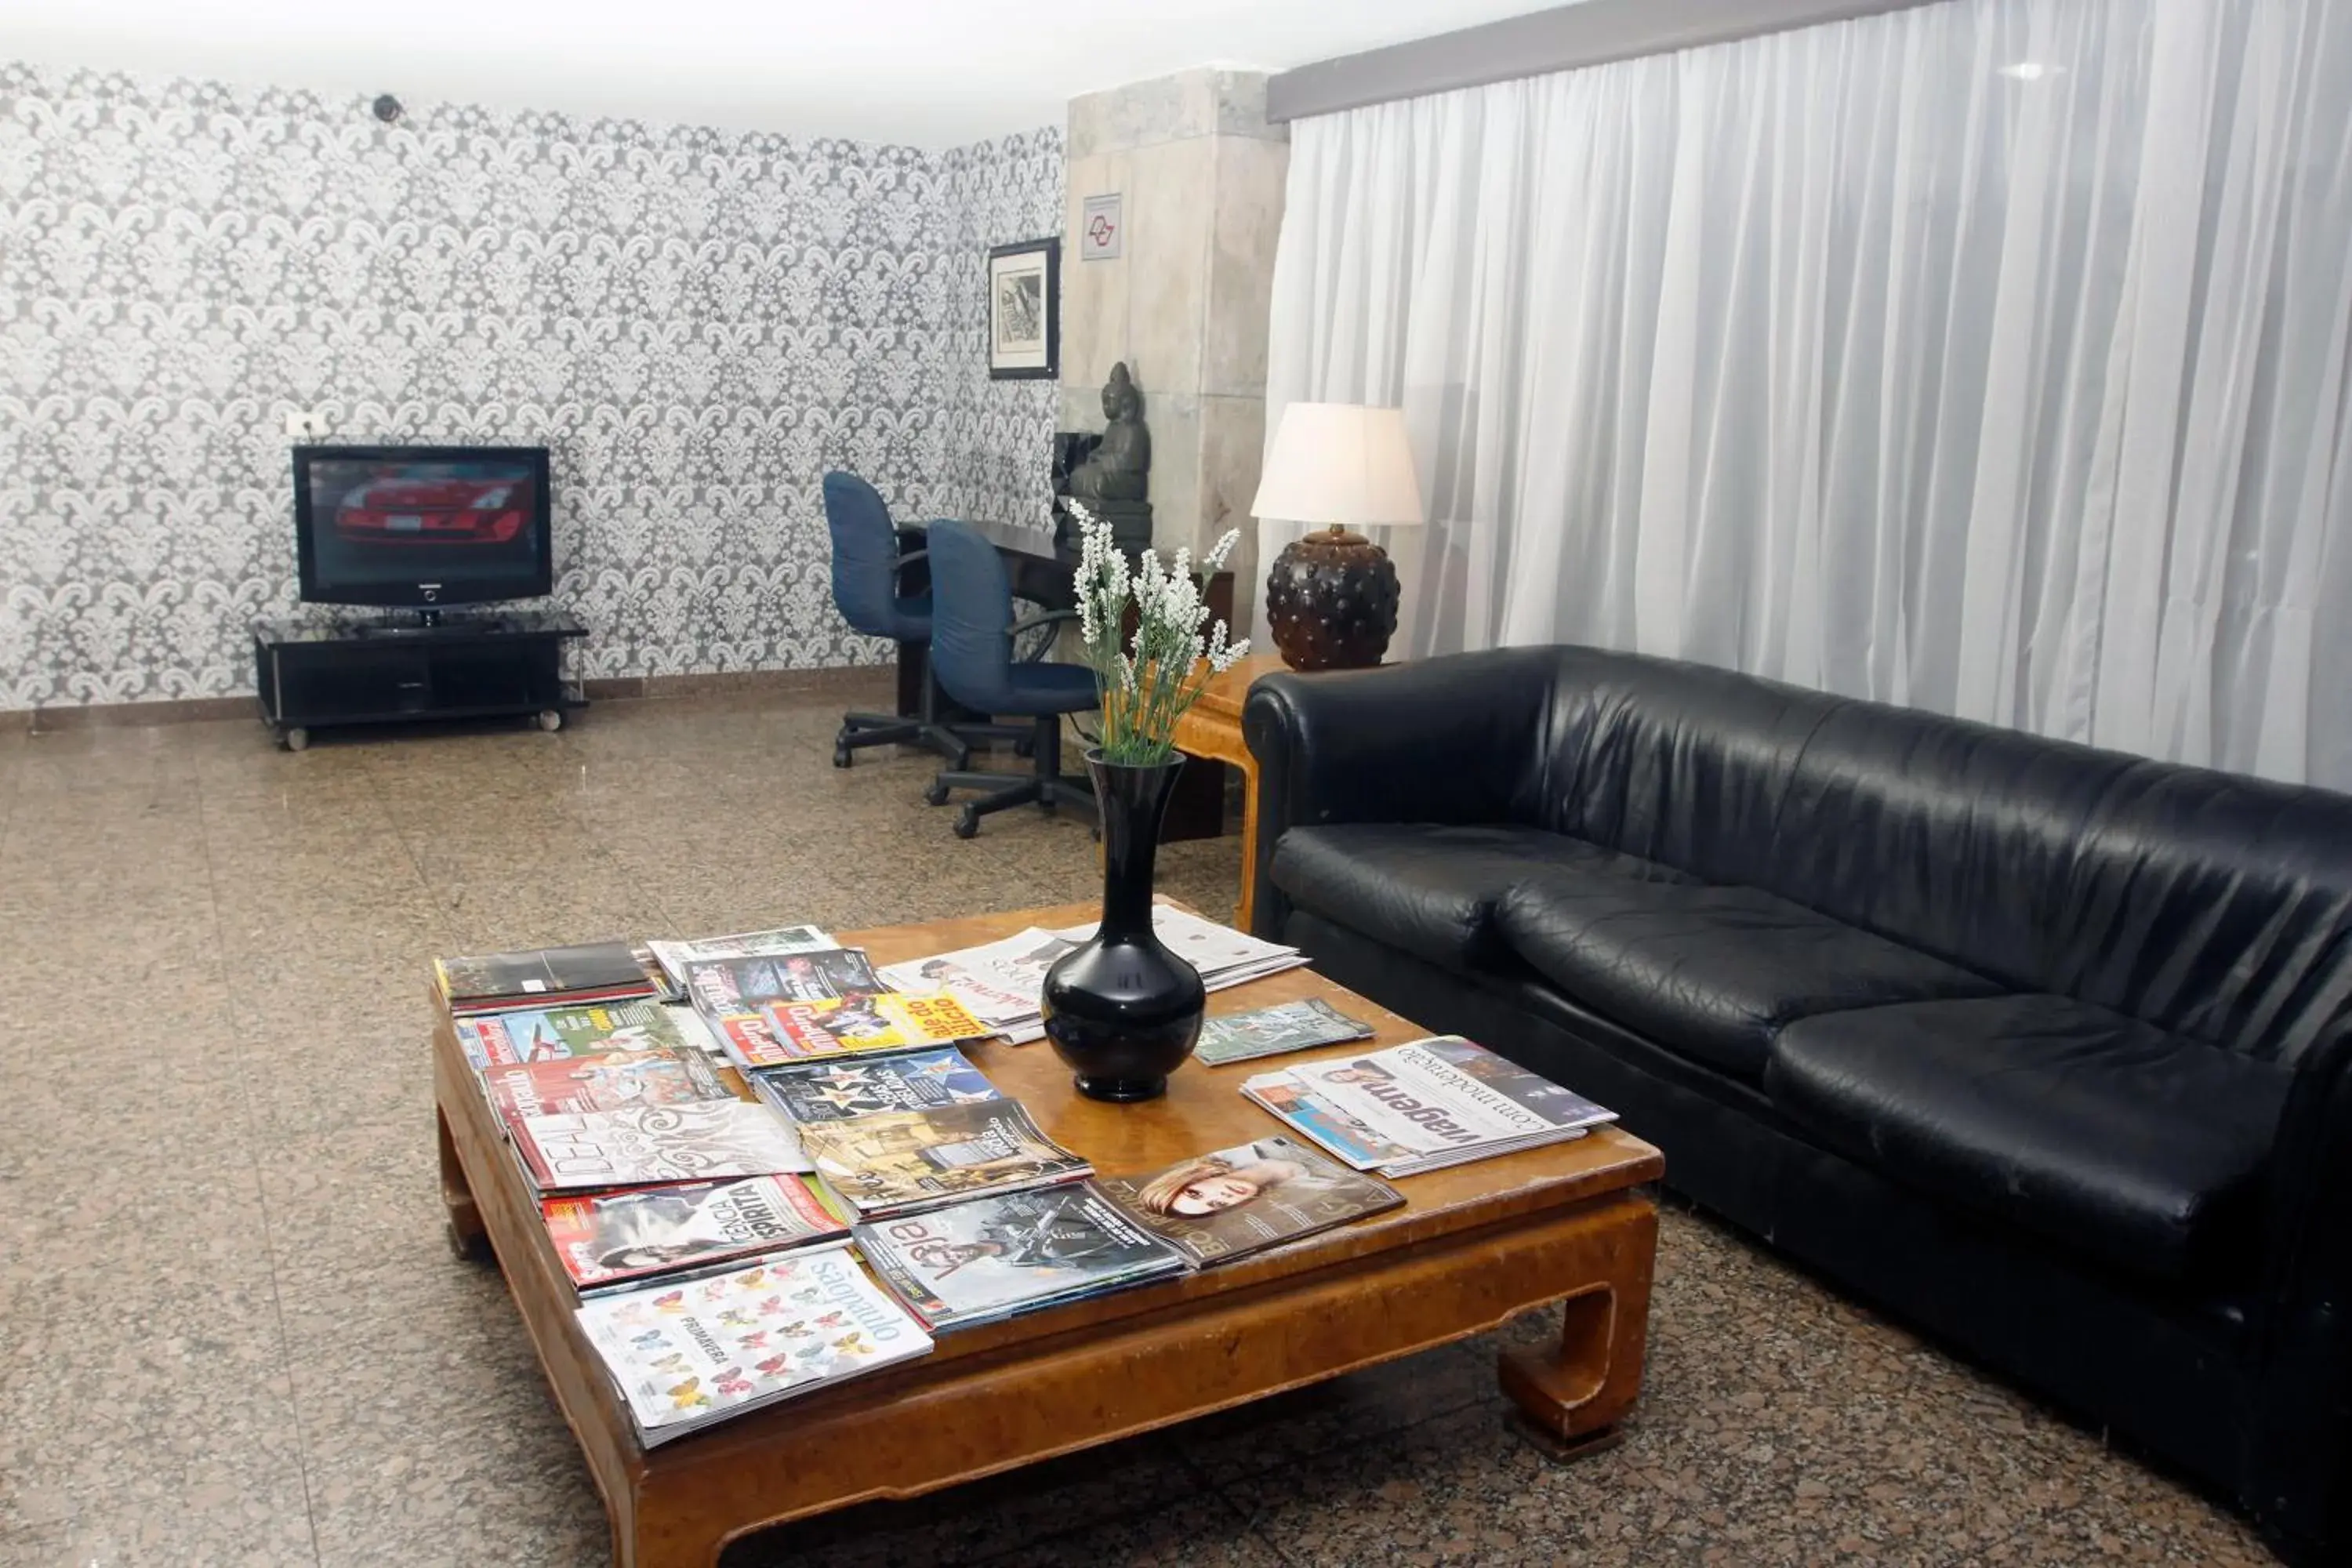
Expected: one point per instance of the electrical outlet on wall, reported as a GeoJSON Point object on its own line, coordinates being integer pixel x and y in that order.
{"type": "Point", "coordinates": [304, 425]}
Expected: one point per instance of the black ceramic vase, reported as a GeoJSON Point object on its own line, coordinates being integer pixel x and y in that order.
{"type": "Point", "coordinates": [1122, 1008]}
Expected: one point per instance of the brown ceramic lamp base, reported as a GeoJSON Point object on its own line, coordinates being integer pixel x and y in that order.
{"type": "Point", "coordinates": [1332, 601]}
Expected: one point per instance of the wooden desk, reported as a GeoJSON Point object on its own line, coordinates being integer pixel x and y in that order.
{"type": "Point", "coordinates": [1212, 728]}
{"type": "Point", "coordinates": [1472, 1248]}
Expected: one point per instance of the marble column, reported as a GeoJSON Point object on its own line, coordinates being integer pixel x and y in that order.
{"type": "Point", "coordinates": [1200, 174]}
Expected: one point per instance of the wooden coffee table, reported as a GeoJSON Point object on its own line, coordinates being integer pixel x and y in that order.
{"type": "Point", "coordinates": [1472, 1248]}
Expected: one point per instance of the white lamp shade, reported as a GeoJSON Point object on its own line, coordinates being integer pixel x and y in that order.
{"type": "Point", "coordinates": [1342, 464]}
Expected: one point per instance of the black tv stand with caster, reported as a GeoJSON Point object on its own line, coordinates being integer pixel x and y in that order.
{"type": "Point", "coordinates": [377, 672]}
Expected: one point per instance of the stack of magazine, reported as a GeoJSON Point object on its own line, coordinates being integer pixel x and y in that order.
{"type": "Point", "coordinates": [605, 1239]}
{"type": "Point", "coordinates": [674, 956]}
{"type": "Point", "coordinates": [688, 1352]}
{"type": "Point", "coordinates": [1425, 1106]}
{"type": "Point", "coordinates": [992, 1257]}
{"type": "Point", "coordinates": [837, 1091]}
{"type": "Point", "coordinates": [902, 1161]}
{"type": "Point", "coordinates": [541, 1034]}
{"type": "Point", "coordinates": [1000, 983]}
{"type": "Point", "coordinates": [648, 1153]}
{"type": "Point", "coordinates": [995, 1258]}
{"type": "Point", "coordinates": [769, 1009]}
{"type": "Point", "coordinates": [594, 971]}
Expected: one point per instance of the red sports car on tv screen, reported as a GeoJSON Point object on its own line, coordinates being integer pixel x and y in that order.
{"type": "Point", "coordinates": [437, 503]}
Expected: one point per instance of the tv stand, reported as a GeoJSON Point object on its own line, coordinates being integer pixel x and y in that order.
{"type": "Point", "coordinates": [381, 672]}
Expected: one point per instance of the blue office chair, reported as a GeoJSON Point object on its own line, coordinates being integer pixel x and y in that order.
{"type": "Point", "coordinates": [865, 566]}
{"type": "Point", "coordinates": [972, 635]}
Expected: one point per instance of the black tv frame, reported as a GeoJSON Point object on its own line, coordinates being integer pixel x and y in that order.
{"type": "Point", "coordinates": [427, 598]}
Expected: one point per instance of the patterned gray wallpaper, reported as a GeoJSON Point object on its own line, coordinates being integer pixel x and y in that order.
{"type": "Point", "coordinates": [697, 323]}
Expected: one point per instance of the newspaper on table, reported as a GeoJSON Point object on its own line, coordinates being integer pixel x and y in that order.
{"type": "Point", "coordinates": [1225, 957]}
{"type": "Point", "coordinates": [1423, 1106]}
{"type": "Point", "coordinates": [1000, 982]}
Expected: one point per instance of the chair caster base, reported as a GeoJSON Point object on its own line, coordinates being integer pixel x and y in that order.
{"type": "Point", "coordinates": [967, 824]}
{"type": "Point", "coordinates": [840, 756]}
{"type": "Point", "coordinates": [935, 794]}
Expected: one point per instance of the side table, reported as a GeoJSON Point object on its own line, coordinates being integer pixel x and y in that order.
{"type": "Point", "coordinates": [1212, 728]}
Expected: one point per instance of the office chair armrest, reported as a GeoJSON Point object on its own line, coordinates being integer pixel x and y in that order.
{"type": "Point", "coordinates": [1031, 623]}
{"type": "Point", "coordinates": [1034, 652]}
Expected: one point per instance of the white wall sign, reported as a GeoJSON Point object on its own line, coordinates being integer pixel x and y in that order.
{"type": "Point", "coordinates": [1100, 228]}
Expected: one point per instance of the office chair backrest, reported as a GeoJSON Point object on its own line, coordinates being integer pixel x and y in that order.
{"type": "Point", "coordinates": [972, 605]}
{"type": "Point", "coordinates": [864, 558]}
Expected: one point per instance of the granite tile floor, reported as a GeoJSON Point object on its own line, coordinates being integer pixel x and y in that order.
{"type": "Point", "coordinates": [231, 1331]}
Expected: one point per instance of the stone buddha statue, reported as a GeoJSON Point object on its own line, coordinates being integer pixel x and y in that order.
{"type": "Point", "coordinates": [1114, 480]}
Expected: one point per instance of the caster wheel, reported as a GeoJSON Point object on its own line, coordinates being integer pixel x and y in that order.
{"type": "Point", "coordinates": [936, 794]}
{"type": "Point", "coordinates": [551, 719]}
{"type": "Point", "coordinates": [840, 756]}
{"type": "Point", "coordinates": [296, 738]}
{"type": "Point", "coordinates": [967, 823]}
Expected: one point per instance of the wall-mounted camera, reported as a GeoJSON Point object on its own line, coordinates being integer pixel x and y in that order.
{"type": "Point", "coordinates": [387, 109]}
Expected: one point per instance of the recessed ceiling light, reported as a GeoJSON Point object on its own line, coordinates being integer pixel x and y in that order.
{"type": "Point", "coordinates": [2030, 70]}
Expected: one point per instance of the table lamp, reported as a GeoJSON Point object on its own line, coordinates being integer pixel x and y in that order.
{"type": "Point", "coordinates": [1331, 597]}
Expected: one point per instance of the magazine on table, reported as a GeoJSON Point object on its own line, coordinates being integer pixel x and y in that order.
{"type": "Point", "coordinates": [990, 1257]}
{"type": "Point", "coordinates": [686, 1353]}
{"type": "Point", "coordinates": [998, 982]}
{"type": "Point", "coordinates": [732, 994]}
{"type": "Point", "coordinates": [902, 1161]}
{"type": "Point", "coordinates": [867, 1026]}
{"type": "Point", "coordinates": [1419, 1107]}
{"type": "Point", "coordinates": [837, 1091]}
{"type": "Point", "coordinates": [594, 1028]}
{"type": "Point", "coordinates": [674, 956]}
{"type": "Point", "coordinates": [534, 977]}
{"type": "Point", "coordinates": [609, 1081]}
{"type": "Point", "coordinates": [1273, 1031]}
{"type": "Point", "coordinates": [1229, 1203]}
{"type": "Point", "coordinates": [644, 1145]}
{"type": "Point", "coordinates": [611, 1238]}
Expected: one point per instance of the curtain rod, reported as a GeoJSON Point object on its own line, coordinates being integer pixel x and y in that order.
{"type": "Point", "coordinates": [1542, 42]}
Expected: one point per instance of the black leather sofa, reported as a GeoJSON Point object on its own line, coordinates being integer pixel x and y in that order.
{"type": "Point", "coordinates": [2047, 1049]}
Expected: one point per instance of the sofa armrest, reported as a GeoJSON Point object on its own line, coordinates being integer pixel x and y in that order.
{"type": "Point", "coordinates": [2303, 1432]}
{"type": "Point", "coordinates": [1454, 740]}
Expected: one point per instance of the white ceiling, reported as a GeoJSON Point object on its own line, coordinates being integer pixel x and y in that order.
{"type": "Point", "coordinates": [934, 73]}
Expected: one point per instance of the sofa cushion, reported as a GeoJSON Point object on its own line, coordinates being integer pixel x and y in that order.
{"type": "Point", "coordinates": [1711, 973]}
{"type": "Point", "coordinates": [1427, 889]}
{"type": "Point", "coordinates": [2135, 1146]}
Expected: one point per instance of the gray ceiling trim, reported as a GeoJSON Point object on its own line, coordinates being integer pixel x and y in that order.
{"type": "Point", "coordinates": [1590, 34]}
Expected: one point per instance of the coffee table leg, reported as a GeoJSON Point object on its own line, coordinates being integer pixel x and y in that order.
{"type": "Point", "coordinates": [654, 1537]}
{"type": "Point", "coordinates": [1574, 1396]}
{"type": "Point", "coordinates": [468, 1236]}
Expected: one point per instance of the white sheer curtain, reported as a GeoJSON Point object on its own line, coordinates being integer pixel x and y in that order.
{"type": "Point", "coordinates": [1990, 357]}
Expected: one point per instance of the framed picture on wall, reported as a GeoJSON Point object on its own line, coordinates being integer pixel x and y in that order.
{"type": "Point", "coordinates": [1024, 310]}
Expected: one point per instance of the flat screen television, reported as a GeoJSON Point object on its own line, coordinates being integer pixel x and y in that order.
{"type": "Point", "coordinates": [422, 526]}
